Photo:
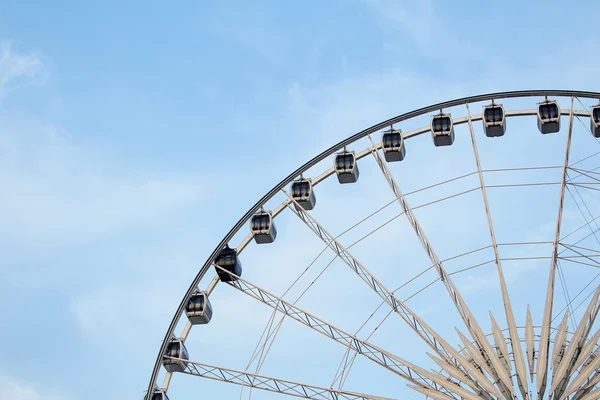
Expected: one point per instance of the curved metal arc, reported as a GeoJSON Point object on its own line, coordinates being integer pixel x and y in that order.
{"type": "Point", "coordinates": [319, 158]}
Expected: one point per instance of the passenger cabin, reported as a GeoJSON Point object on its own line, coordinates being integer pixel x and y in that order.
{"type": "Point", "coordinates": [392, 144]}
{"type": "Point", "coordinates": [595, 121]}
{"type": "Point", "coordinates": [303, 193]}
{"type": "Point", "coordinates": [158, 394]}
{"type": "Point", "coordinates": [198, 308]}
{"type": "Point", "coordinates": [262, 227]}
{"type": "Point", "coordinates": [229, 261]}
{"type": "Point", "coordinates": [494, 120]}
{"type": "Point", "coordinates": [345, 166]}
{"type": "Point", "coordinates": [442, 129]}
{"type": "Point", "coordinates": [176, 349]}
{"type": "Point", "coordinates": [548, 116]}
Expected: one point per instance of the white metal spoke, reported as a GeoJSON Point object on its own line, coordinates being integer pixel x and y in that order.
{"type": "Point", "coordinates": [405, 369]}
{"type": "Point", "coordinates": [519, 360]}
{"type": "Point", "coordinates": [542, 362]}
{"type": "Point", "coordinates": [270, 384]}
{"type": "Point", "coordinates": [434, 340]}
{"type": "Point", "coordinates": [530, 343]}
{"type": "Point", "coordinates": [471, 323]}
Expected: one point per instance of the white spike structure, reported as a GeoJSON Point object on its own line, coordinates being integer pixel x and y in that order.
{"type": "Point", "coordinates": [565, 368]}
{"type": "Point", "coordinates": [560, 341]}
{"type": "Point", "coordinates": [530, 343]}
{"type": "Point", "coordinates": [501, 348]}
{"type": "Point", "coordinates": [588, 351]}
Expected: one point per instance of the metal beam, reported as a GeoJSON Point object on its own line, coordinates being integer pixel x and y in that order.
{"type": "Point", "coordinates": [270, 384]}
{"type": "Point", "coordinates": [403, 368]}
{"type": "Point", "coordinates": [498, 371]}
{"type": "Point", "coordinates": [542, 363]}
{"type": "Point", "coordinates": [434, 340]}
{"type": "Point", "coordinates": [519, 359]}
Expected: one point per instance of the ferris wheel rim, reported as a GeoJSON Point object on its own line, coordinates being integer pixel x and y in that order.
{"type": "Point", "coordinates": [322, 156]}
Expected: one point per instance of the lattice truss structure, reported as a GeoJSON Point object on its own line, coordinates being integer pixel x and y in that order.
{"type": "Point", "coordinates": [463, 267]}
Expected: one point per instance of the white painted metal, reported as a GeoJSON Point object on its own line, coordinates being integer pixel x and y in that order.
{"type": "Point", "coordinates": [542, 363]}
{"type": "Point", "coordinates": [434, 340]}
{"type": "Point", "coordinates": [468, 318]}
{"type": "Point", "coordinates": [405, 369]}
{"type": "Point", "coordinates": [510, 318]}
{"type": "Point", "coordinates": [501, 348]}
{"type": "Point", "coordinates": [588, 350]}
{"type": "Point", "coordinates": [560, 341]}
{"type": "Point", "coordinates": [530, 343]}
{"type": "Point", "coordinates": [271, 384]}
{"type": "Point", "coordinates": [563, 372]}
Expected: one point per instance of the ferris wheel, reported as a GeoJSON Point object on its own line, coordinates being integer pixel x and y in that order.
{"type": "Point", "coordinates": [459, 264]}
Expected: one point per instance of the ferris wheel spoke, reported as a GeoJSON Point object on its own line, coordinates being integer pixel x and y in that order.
{"type": "Point", "coordinates": [542, 362]}
{"type": "Point", "coordinates": [499, 373]}
{"type": "Point", "coordinates": [270, 384]}
{"type": "Point", "coordinates": [401, 367]}
{"type": "Point", "coordinates": [432, 338]}
{"type": "Point", "coordinates": [519, 359]}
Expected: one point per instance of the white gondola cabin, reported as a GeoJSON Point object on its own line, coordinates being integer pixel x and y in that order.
{"type": "Point", "coordinates": [345, 166]}
{"type": "Point", "coordinates": [229, 261]}
{"type": "Point", "coordinates": [595, 121]}
{"type": "Point", "coordinates": [263, 228]}
{"type": "Point", "coordinates": [303, 193]}
{"type": "Point", "coordinates": [198, 308]}
{"type": "Point", "coordinates": [442, 129]}
{"type": "Point", "coordinates": [392, 144]}
{"type": "Point", "coordinates": [176, 349]}
{"type": "Point", "coordinates": [548, 116]}
{"type": "Point", "coordinates": [158, 394]}
{"type": "Point", "coordinates": [494, 120]}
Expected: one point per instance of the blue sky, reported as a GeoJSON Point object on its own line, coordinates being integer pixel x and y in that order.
{"type": "Point", "coordinates": [130, 134]}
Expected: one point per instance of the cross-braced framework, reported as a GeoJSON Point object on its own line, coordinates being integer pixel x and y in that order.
{"type": "Point", "coordinates": [424, 255]}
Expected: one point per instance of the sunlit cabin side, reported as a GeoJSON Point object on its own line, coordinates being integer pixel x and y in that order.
{"type": "Point", "coordinates": [442, 129]}
{"type": "Point", "coordinates": [595, 121]}
{"type": "Point", "coordinates": [346, 167]}
{"type": "Point", "coordinates": [263, 228]}
{"type": "Point", "coordinates": [548, 116]}
{"type": "Point", "coordinates": [303, 193]}
{"type": "Point", "coordinates": [198, 308]}
{"type": "Point", "coordinates": [494, 120]}
{"type": "Point", "coordinates": [229, 261]}
{"type": "Point", "coordinates": [176, 349]}
{"type": "Point", "coordinates": [392, 144]}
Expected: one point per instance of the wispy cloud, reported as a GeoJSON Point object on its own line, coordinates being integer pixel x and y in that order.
{"type": "Point", "coordinates": [15, 389]}
{"type": "Point", "coordinates": [15, 67]}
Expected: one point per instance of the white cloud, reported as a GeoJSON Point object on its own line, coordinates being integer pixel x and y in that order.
{"type": "Point", "coordinates": [14, 67]}
{"type": "Point", "coordinates": [14, 389]}
{"type": "Point", "coordinates": [60, 188]}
